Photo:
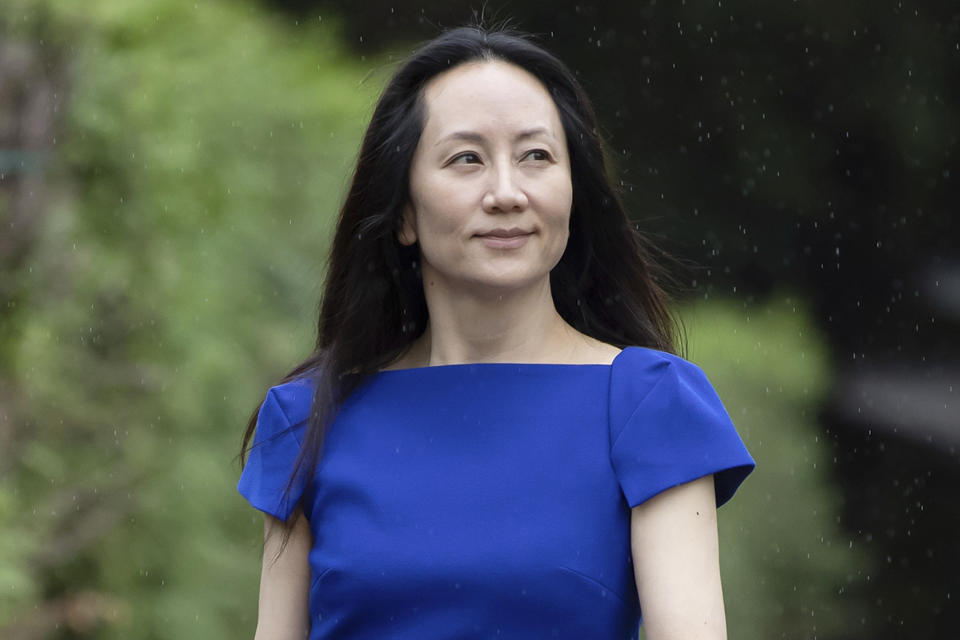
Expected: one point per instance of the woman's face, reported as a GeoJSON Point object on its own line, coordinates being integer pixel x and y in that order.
{"type": "Point", "coordinates": [490, 189]}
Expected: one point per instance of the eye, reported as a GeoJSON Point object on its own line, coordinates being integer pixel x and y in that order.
{"type": "Point", "coordinates": [466, 158]}
{"type": "Point", "coordinates": [539, 155]}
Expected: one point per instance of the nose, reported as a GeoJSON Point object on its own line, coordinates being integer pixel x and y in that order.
{"type": "Point", "coordinates": [504, 194]}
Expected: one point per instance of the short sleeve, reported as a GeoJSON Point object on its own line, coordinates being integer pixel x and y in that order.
{"type": "Point", "coordinates": [270, 462]}
{"type": "Point", "coordinates": [668, 427]}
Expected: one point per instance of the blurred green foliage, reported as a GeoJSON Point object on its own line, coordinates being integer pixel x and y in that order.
{"type": "Point", "coordinates": [789, 569]}
{"type": "Point", "coordinates": [197, 170]}
{"type": "Point", "coordinates": [199, 162]}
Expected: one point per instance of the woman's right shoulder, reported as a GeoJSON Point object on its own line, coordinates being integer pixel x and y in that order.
{"type": "Point", "coordinates": [294, 398]}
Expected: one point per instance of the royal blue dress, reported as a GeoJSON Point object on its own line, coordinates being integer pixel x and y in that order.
{"type": "Point", "coordinates": [490, 500]}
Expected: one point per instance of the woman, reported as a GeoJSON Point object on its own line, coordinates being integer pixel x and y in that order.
{"type": "Point", "coordinates": [509, 447]}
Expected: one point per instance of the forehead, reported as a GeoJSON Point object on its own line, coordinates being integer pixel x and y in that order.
{"type": "Point", "coordinates": [488, 95]}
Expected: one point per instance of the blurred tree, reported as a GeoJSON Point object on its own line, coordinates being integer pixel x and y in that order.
{"type": "Point", "coordinates": [790, 571]}
{"type": "Point", "coordinates": [154, 282]}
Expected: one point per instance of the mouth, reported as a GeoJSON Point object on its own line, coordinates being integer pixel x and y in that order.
{"type": "Point", "coordinates": [515, 232]}
{"type": "Point", "coordinates": [505, 238]}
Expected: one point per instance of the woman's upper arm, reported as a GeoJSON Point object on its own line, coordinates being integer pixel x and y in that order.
{"type": "Point", "coordinates": [285, 581]}
{"type": "Point", "coordinates": [675, 553]}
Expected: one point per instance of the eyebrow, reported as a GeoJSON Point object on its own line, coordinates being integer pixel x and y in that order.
{"type": "Point", "coordinates": [472, 136]}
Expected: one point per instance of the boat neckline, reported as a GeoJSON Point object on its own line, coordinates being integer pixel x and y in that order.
{"type": "Point", "coordinates": [447, 367]}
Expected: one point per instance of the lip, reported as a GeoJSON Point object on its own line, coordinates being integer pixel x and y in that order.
{"type": "Point", "coordinates": [505, 238]}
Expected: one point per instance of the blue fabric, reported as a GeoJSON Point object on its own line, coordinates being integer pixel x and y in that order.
{"type": "Point", "coordinates": [490, 500]}
{"type": "Point", "coordinates": [276, 443]}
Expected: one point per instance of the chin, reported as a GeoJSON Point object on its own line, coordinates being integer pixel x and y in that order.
{"type": "Point", "coordinates": [509, 282]}
{"type": "Point", "coordinates": [491, 276]}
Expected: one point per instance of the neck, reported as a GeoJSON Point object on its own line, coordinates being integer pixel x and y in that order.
{"type": "Point", "coordinates": [520, 325]}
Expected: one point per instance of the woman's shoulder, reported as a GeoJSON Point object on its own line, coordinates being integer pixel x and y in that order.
{"type": "Point", "coordinates": [668, 426]}
{"type": "Point", "coordinates": [633, 357]}
{"type": "Point", "coordinates": [636, 371]}
{"type": "Point", "coordinates": [294, 398]}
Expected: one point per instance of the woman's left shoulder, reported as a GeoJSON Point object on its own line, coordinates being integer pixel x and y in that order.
{"type": "Point", "coordinates": [646, 358]}
{"type": "Point", "coordinates": [668, 426]}
{"type": "Point", "coordinates": [638, 371]}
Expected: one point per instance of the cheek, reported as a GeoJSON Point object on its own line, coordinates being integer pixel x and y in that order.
{"type": "Point", "coordinates": [443, 211]}
{"type": "Point", "coordinates": [558, 205]}
{"type": "Point", "coordinates": [439, 230]}
{"type": "Point", "coordinates": [559, 220]}
{"type": "Point", "coordinates": [436, 223]}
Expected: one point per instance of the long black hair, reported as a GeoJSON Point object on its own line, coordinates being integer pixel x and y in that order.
{"type": "Point", "coordinates": [606, 285]}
